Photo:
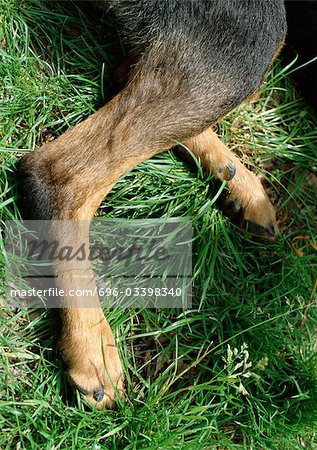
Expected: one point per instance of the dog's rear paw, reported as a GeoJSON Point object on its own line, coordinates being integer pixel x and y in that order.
{"type": "Point", "coordinates": [94, 366]}
{"type": "Point", "coordinates": [248, 205]}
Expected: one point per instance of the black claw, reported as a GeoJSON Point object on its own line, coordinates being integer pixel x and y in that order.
{"type": "Point", "coordinates": [232, 170]}
{"type": "Point", "coordinates": [271, 230]}
{"type": "Point", "coordinates": [98, 395]}
{"type": "Point", "coordinates": [228, 171]}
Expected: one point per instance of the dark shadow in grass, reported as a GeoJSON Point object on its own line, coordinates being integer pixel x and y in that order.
{"type": "Point", "coordinates": [301, 41]}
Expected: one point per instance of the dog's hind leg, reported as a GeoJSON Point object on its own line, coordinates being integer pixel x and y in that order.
{"type": "Point", "coordinates": [246, 200]}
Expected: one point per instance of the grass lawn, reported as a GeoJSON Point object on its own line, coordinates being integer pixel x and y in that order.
{"type": "Point", "coordinates": [239, 369]}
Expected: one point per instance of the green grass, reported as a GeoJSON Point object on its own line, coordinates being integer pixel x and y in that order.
{"type": "Point", "coordinates": [234, 371]}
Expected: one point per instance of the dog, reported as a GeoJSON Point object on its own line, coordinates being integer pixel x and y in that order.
{"type": "Point", "coordinates": [194, 61]}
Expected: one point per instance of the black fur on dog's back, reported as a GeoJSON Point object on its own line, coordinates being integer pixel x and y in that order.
{"type": "Point", "coordinates": [238, 35]}
{"type": "Point", "coordinates": [214, 22]}
{"type": "Point", "coordinates": [216, 50]}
